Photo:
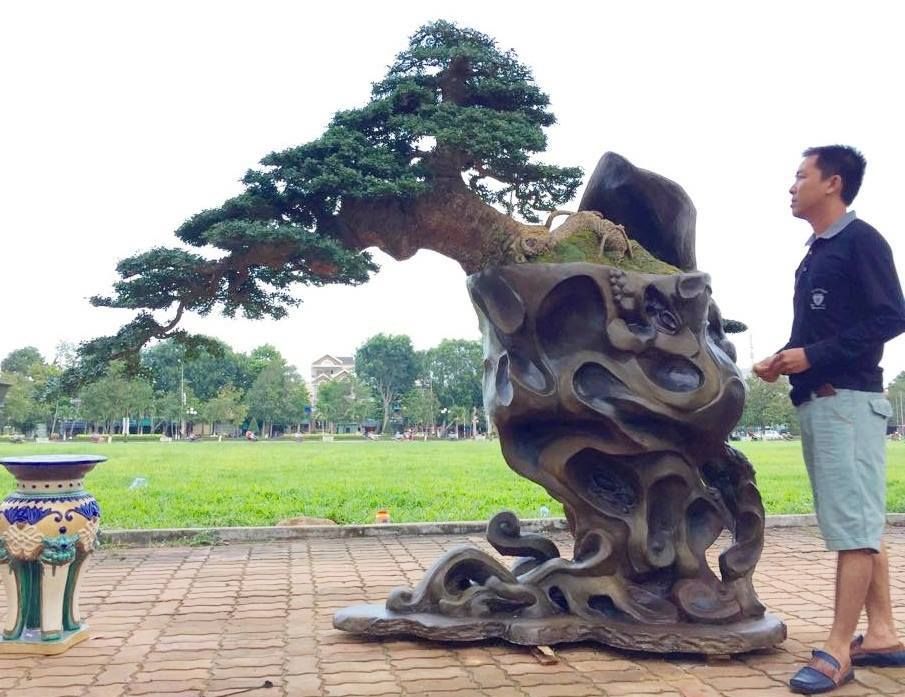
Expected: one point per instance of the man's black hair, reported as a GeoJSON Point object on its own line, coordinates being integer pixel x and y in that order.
{"type": "Point", "coordinates": [843, 160]}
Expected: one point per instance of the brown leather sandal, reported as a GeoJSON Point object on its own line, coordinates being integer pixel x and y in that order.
{"type": "Point", "coordinates": [889, 657]}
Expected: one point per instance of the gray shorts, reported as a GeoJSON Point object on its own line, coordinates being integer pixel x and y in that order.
{"type": "Point", "coordinates": [843, 438]}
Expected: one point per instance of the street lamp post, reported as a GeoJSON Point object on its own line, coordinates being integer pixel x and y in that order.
{"type": "Point", "coordinates": [191, 412]}
{"type": "Point", "coordinates": [4, 386]}
{"type": "Point", "coordinates": [182, 392]}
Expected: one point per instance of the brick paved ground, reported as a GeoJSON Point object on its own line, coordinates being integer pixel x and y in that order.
{"type": "Point", "coordinates": [212, 621]}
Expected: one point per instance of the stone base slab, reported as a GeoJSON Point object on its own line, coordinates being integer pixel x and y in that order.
{"type": "Point", "coordinates": [738, 637]}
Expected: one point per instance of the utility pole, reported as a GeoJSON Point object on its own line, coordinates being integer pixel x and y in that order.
{"type": "Point", "coordinates": [182, 391]}
{"type": "Point", "coordinates": [901, 415]}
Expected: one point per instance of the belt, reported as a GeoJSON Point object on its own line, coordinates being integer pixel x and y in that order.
{"type": "Point", "coordinates": [824, 390]}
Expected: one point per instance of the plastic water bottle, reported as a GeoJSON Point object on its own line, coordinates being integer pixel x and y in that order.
{"type": "Point", "coordinates": [138, 483]}
{"type": "Point", "coordinates": [544, 512]}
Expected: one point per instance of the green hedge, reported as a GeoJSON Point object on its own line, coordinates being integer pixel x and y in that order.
{"type": "Point", "coordinates": [134, 438]}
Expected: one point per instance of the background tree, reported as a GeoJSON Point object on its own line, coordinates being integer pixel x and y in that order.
{"type": "Point", "coordinates": [360, 400]}
{"type": "Point", "coordinates": [459, 414]}
{"type": "Point", "coordinates": [259, 358]}
{"type": "Point", "coordinates": [168, 411]}
{"type": "Point", "coordinates": [206, 370]}
{"type": "Point", "coordinates": [332, 402]}
{"type": "Point", "coordinates": [269, 399]}
{"type": "Point", "coordinates": [21, 360]}
{"type": "Point", "coordinates": [387, 363]}
{"type": "Point", "coordinates": [346, 399]}
{"type": "Point", "coordinates": [298, 403]}
{"type": "Point", "coordinates": [896, 394]}
{"type": "Point", "coordinates": [116, 396]}
{"type": "Point", "coordinates": [441, 158]}
{"type": "Point", "coordinates": [225, 408]}
{"type": "Point", "coordinates": [21, 408]}
{"type": "Point", "coordinates": [768, 405]}
{"type": "Point", "coordinates": [420, 406]}
{"type": "Point", "coordinates": [455, 369]}
{"type": "Point", "coordinates": [35, 388]}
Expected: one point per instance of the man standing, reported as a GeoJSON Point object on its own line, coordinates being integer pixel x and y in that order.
{"type": "Point", "coordinates": [847, 304]}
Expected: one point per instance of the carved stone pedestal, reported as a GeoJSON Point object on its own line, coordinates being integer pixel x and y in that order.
{"type": "Point", "coordinates": [615, 391]}
{"type": "Point", "coordinates": [48, 527]}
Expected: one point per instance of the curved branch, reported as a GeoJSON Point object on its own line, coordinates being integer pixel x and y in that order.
{"type": "Point", "coordinates": [170, 326]}
{"type": "Point", "coordinates": [449, 220]}
{"type": "Point", "coordinates": [554, 215]}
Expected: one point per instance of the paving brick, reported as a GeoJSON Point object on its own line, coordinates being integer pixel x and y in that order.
{"type": "Point", "coordinates": [879, 681]}
{"type": "Point", "coordinates": [156, 665]}
{"type": "Point", "coordinates": [169, 675]}
{"type": "Point", "coordinates": [357, 678]}
{"type": "Point", "coordinates": [766, 692]}
{"type": "Point", "coordinates": [119, 674]}
{"type": "Point", "coordinates": [535, 667]}
{"type": "Point", "coordinates": [444, 685]}
{"type": "Point", "coordinates": [618, 689]}
{"type": "Point", "coordinates": [489, 676]}
{"type": "Point", "coordinates": [188, 621]}
{"type": "Point", "coordinates": [105, 691]}
{"type": "Point", "coordinates": [605, 664]}
{"type": "Point", "coordinates": [27, 691]}
{"type": "Point", "coordinates": [563, 690]}
{"type": "Point", "coordinates": [362, 690]}
{"type": "Point", "coordinates": [505, 691]}
{"type": "Point", "coordinates": [166, 687]}
{"type": "Point", "coordinates": [692, 687]}
{"type": "Point", "coordinates": [74, 682]}
{"type": "Point", "coordinates": [731, 684]}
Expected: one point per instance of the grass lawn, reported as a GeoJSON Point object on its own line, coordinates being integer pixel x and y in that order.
{"type": "Point", "coordinates": [240, 483]}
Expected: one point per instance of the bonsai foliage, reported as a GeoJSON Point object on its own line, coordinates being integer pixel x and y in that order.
{"type": "Point", "coordinates": [440, 158]}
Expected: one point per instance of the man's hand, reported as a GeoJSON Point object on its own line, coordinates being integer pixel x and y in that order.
{"type": "Point", "coordinates": [791, 361]}
{"type": "Point", "coordinates": [766, 369]}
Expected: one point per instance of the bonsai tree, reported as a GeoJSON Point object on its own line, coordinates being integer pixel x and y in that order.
{"type": "Point", "coordinates": [441, 158]}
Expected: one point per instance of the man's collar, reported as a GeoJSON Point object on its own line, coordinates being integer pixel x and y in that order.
{"type": "Point", "coordinates": [834, 229]}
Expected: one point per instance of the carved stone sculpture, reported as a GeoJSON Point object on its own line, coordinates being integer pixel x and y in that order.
{"type": "Point", "coordinates": [615, 391]}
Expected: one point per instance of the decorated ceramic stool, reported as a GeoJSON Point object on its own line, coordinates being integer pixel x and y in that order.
{"type": "Point", "coordinates": [48, 527]}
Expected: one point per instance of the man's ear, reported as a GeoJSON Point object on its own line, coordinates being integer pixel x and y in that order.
{"type": "Point", "coordinates": [834, 184]}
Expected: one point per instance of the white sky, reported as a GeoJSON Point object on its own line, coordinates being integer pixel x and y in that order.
{"type": "Point", "coordinates": [120, 120]}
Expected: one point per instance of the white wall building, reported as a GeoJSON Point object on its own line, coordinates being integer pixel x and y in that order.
{"type": "Point", "coordinates": [329, 367]}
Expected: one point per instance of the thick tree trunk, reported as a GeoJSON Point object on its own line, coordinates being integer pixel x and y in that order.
{"type": "Point", "coordinates": [449, 219]}
{"type": "Point", "coordinates": [387, 400]}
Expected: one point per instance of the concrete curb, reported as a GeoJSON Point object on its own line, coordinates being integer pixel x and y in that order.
{"type": "Point", "coordinates": [213, 536]}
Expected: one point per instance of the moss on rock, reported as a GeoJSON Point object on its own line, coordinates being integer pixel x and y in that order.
{"type": "Point", "coordinates": [584, 245]}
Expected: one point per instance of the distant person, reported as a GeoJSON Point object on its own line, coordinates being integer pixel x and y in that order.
{"type": "Point", "coordinates": [847, 304]}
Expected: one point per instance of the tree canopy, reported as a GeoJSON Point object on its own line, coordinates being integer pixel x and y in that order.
{"type": "Point", "coordinates": [454, 369]}
{"type": "Point", "coordinates": [767, 405]}
{"type": "Point", "coordinates": [441, 157]}
{"type": "Point", "coordinates": [387, 363]}
{"type": "Point", "coordinates": [278, 393]}
{"type": "Point", "coordinates": [21, 360]}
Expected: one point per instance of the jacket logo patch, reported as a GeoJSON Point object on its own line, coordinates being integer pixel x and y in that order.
{"type": "Point", "coordinates": [818, 299]}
